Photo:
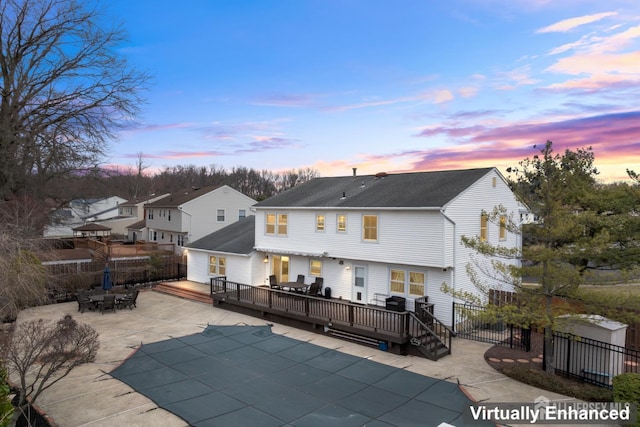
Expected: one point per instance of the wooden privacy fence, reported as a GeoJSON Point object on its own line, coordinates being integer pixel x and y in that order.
{"type": "Point", "coordinates": [83, 275]}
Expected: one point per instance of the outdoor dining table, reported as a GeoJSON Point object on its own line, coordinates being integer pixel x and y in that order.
{"type": "Point", "coordinates": [294, 286]}
{"type": "Point", "coordinates": [97, 299]}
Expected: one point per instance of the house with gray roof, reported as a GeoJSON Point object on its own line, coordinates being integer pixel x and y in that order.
{"type": "Point", "coordinates": [374, 236]}
{"type": "Point", "coordinates": [185, 216]}
{"type": "Point", "coordinates": [227, 252]}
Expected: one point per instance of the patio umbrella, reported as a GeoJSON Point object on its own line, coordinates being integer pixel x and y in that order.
{"type": "Point", "coordinates": [106, 278]}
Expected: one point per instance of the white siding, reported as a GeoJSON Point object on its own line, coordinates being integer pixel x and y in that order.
{"type": "Point", "coordinates": [197, 218]}
{"type": "Point", "coordinates": [240, 268]}
{"type": "Point", "coordinates": [428, 241]}
{"type": "Point", "coordinates": [409, 237]}
{"type": "Point", "coordinates": [466, 210]}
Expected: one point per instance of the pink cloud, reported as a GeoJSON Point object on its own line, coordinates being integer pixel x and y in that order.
{"type": "Point", "coordinates": [140, 127]}
{"type": "Point", "coordinates": [287, 100]}
{"type": "Point", "coordinates": [571, 23]}
{"type": "Point", "coordinates": [615, 139]}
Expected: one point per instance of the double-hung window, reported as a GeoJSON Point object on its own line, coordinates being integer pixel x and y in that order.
{"type": "Point", "coordinates": [276, 224]}
{"type": "Point", "coordinates": [342, 223]}
{"type": "Point", "coordinates": [282, 224]}
{"type": "Point", "coordinates": [320, 222]}
{"type": "Point", "coordinates": [407, 282]}
{"type": "Point", "coordinates": [484, 223]}
{"type": "Point", "coordinates": [220, 215]}
{"type": "Point", "coordinates": [503, 228]}
{"type": "Point", "coordinates": [315, 267]}
{"type": "Point", "coordinates": [370, 228]}
{"type": "Point", "coordinates": [217, 265]}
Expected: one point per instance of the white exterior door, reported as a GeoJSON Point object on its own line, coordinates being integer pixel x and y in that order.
{"type": "Point", "coordinates": [359, 288]}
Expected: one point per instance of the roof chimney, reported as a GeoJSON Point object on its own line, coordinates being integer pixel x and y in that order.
{"type": "Point", "coordinates": [354, 171]}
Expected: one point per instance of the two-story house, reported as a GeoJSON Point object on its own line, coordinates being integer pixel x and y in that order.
{"type": "Point", "coordinates": [129, 212]}
{"type": "Point", "coordinates": [366, 236]}
{"type": "Point", "coordinates": [188, 215]}
{"type": "Point", "coordinates": [80, 212]}
{"type": "Point", "coordinates": [384, 234]}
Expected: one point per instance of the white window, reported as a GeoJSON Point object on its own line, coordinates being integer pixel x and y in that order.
{"type": "Point", "coordinates": [270, 224]}
{"type": "Point", "coordinates": [315, 267]}
{"type": "Point", "coordinates": [319, 222]}
{"type": "Point", "coordinates": [503, 227]}
{"type": "Point", "coordinates": [484, 222]}
{"type": "Point", "coordinates": [282, 224]}
{"type": "Point", "coordinates": [415, 285]}
{"type": "Point", "coordinates": [220, 215]}
{"type": "Point", "coordinates": [342, 223]}
{"type": "Point", "coordinates": [150, 214]}
{"type": "Point", "coordinates": [180, 240]}
{"type": "Point", "coordinates": [370, 227]}
{"type": "Point", "coordinates": [396, 284]}
{"type": "Point", "coordinates": [276, 224]}
{"type": "Point", "coordinates": [217, 265]}
{"type": "Point", "coordinates": [169, 215]}
{"type": "Point", "coordinates": [242, 213]}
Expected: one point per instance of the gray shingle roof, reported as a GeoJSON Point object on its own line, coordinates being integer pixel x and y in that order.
{"type": "Point", "coordinates": [138, 225]}
{"type": "Point", "coordinates": [179, 197]}
{"type": "Point", "coordinates": [236, 238]}
{"type": "Point", "coordinates": [413, 190]}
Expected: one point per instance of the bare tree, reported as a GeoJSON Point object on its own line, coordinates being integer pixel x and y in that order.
{"type": "Point", "coordinates": [64, 91]}
{"type": "Point", "coordinates": [41, 353]}
{"type": "Point", "coordinates": [23, 279]}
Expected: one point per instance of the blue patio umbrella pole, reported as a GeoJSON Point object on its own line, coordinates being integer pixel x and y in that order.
{"type": "Point", "coordinates": [106, 278]}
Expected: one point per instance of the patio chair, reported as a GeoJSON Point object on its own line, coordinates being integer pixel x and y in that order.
{"type": "Point", "coordinates": [108, 303]}
{"type": "Point", "coordinates": [315, 289]}
{"type": "Point", "coordinates": [84, 302]}
{"type": "Point", "coordinates": [300, 278]}
{"type": "Point", "coordinates": [273, 282]}
{"type": "Point", "coordinates": [129, 300]}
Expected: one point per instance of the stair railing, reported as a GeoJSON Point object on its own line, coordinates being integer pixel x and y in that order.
{"type": "Point", "coordinates": [429, 334]}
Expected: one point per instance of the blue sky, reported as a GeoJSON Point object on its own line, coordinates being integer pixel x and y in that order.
{"type": "Point", "coordinates": [381, 85]}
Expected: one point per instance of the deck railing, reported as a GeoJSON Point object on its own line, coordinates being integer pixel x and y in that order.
{"type": "Point", "coordinates": [431, 336]}
{"type": "Point", "coordinates": [374, 322]}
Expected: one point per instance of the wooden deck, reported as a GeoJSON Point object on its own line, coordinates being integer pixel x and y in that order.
{"type": "Point", "coordinates": [370, 324]}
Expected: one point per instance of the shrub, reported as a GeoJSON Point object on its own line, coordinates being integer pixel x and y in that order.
{"type": "Point", "coordinates": [626, 388]}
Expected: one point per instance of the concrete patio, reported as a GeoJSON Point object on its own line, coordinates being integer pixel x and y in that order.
{"type": "Point", "coordinates": [89, 396]}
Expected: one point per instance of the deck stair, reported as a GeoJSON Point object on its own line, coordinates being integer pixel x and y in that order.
{"type": "Point", "coordinates": [185, 290]}
{"type": "Point", "coordinates": [430, 336]}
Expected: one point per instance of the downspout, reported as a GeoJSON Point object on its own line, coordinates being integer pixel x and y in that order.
{"type": "Point", "coordinates": [454, 248]}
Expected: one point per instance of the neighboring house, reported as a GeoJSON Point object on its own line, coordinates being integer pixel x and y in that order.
{"type": "Point", "coordinates": [137, 231]}
{"type": "Point", "coordinates": [384, 234]}
{"type": "Point", "coordinates": [186, 216]}
{"type": "Point", "coordinates": [227, 252]}
{"type": "Point", "coordinates": [80, 212]}
{"type": "Point", "coordinates": [129, 212]}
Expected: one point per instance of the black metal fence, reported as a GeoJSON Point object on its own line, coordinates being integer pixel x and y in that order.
{"type": "Point", "coordinates": [592, 361]}
{"type": "Point", "coordinates": [471, 322]}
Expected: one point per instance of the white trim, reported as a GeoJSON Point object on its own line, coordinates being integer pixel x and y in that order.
{"type": "Point", "coordinates": [290, 252]}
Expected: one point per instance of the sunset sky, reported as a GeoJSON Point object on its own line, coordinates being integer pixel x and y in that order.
{"type": "Point", "coordinates": [382, 85]}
